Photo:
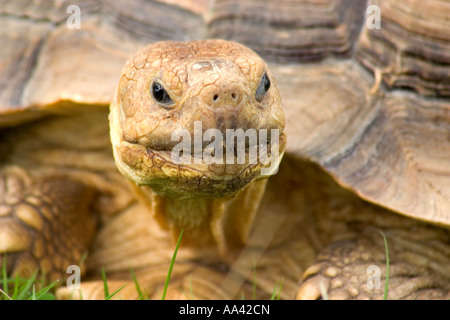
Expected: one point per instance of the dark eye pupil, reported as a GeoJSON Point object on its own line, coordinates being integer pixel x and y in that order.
{"type": "Point", "coordinates": [160, 94]}
{"type": "Point", "coordinates": [266, 82]}
{"type": "Point", "coordinates": [263, 87]}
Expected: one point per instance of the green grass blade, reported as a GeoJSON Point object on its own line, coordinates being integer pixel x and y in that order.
{"type": "Point", "coordinates": [16, 287]}
{"type": "Point", "coordinates": [5, 295]}
{"type": "Point", "coordinates": [5, 277]}
{"type": "Point", "coordinates": [280, 288]}
{"type": "Point", "coordinates": [169, 274]}
{"type": "Point", "coordinates": [190, 295]}
{"type": "Point", "coordinates": [141, 294]}
{"type": "Point", "coordinates": [274, 292]}
{"type": "Point", "coordinates": [105, 283]}
{"type": "Point", "coordinates": [83, 259]}
{"type": "Point", "coordinates": [386, 285]}
{"type": "Point", "coordinates": [105, 286]}
{"type": "Point", "coordinates": [81, 295]}
{"type": "Point", "coordinates": [112, 294]}
{"type": "Point", "coordinates": [33, 294]}
{"type": "Point", "coordinates": [26, 287]}
{"type": "Point", "coordinates": [43, 293]}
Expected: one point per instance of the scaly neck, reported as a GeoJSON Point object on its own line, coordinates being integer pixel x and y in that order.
{"type": "Point", "coordinates": [222, 222]}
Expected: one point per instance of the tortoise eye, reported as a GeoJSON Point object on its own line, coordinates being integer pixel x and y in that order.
{"type": "Point", "coordinates": [160, 95]}
{"type": "Point", "coordinates": [263, 87]}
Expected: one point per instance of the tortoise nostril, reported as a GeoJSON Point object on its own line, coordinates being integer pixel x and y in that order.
{"type": "Point", "coordinates": [227, 96]}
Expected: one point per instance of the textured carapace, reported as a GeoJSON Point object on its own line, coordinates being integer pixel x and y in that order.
{"type": "Point", "coordinates": [365, 89]}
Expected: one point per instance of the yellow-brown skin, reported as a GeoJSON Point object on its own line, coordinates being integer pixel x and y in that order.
{"type": "Point", "coordinates": [193, 73]}
{"type": "Point", "coordinates": [211, 81]}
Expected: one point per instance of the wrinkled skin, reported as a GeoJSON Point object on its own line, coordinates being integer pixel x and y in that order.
{"type": "Point", "coordinates": [301, 227]}
{"type": "Point", "coordinates": [214, 83]}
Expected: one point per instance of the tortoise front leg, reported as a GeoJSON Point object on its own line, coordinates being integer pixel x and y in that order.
{"type": "Point", "coordinates": [356, 268]}
{"type": "Point", "coordinates": [46, 223]}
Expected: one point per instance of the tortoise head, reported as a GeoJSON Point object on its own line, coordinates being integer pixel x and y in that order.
{"type": "Point", "coordinates": [197, 119]}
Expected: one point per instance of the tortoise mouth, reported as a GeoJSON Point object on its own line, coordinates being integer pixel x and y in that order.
{"type": "Point", "coordinates": [201, 172]}
{"type": "Point", "coordinates": [191, 179]}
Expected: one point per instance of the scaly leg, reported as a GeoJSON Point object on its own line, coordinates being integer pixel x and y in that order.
{"type": "Point", "coordinates": [419, 267]}
{"type": "Point", "coordinates": [46, 223]}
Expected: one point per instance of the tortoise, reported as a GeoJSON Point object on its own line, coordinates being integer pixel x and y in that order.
{"type": "Point", "coordinates": [361, 107]}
